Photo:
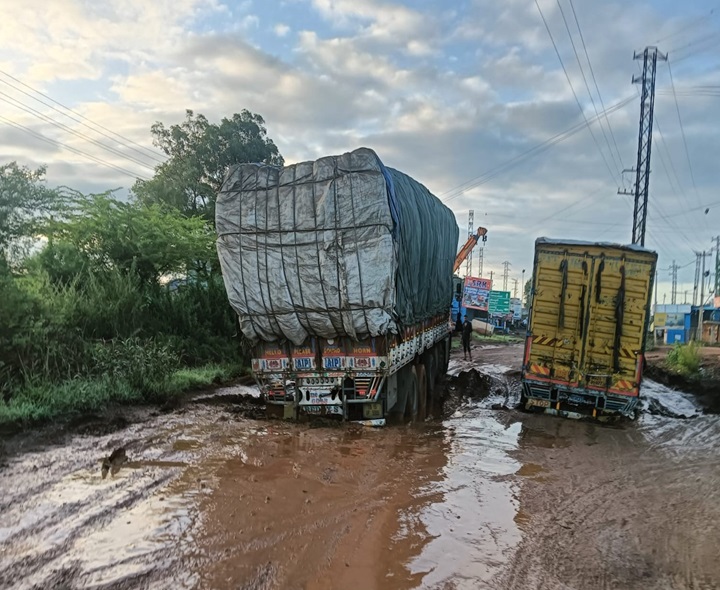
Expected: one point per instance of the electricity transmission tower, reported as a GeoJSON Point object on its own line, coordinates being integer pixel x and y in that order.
{"type": "Point", "coordinates": [717, 266]}
{"type": "Point", "coordinates": [506, 266]}
{"type": "Point", "coordinates": [515, 288]}
{"type": "Point", "coordinates": [481, 252]}
{"type": "Point", "coordinates": [700, 278]}
{"type": "Point", "coordinates": [673, 273]}
{"type": "Point", "coordinates": [642, 168]}
{"type": "Point", "coordinates": [471, 231]}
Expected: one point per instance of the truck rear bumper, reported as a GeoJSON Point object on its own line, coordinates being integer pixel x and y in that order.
{"type": "Point", "coordinates": [365, 412]}
{"type": "Point", "coordinates": [576, 403]}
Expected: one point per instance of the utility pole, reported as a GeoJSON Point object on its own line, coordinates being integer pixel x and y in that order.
{"type": "Point", "coordinates": [698, 255]}
{"type": "Point", "coordinates": [701, 313]}
{"type": "Point", "coordinates": [491, 276]}
{"type": "Point", "coordinates": [717, 266]}
{"type": "Point", "coordinates": [522, 286]}
{"type": "Point", "coordinates": [673, 273]}
{"type": "Point", "coordinates": [655, 309]}
{"type": "Point", "coordinates": [506, 266]}
{"type": "Point", "coordinates": [471, 231]}
{"type": "Point", "coordinates": [685, 300]}
{"type": "Point", "coordinates": [642, 168]}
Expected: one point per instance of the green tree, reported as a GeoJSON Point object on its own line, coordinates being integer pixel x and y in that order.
{"type": "Point", "coordinates": [528, 292]}
{"type": "Point", "coordinates": [147, 240]}
{"type": "Point", "coordinates": [24, 201]}
{"type": "Point", "coordinates": [199, 153]}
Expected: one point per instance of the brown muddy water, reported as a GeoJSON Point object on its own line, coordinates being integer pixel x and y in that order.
{"type": "Point", "coordinates": [484, 497]}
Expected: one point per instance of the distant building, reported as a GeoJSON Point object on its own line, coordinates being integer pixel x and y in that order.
{"type": "Point", "coordinates": [670, 323]}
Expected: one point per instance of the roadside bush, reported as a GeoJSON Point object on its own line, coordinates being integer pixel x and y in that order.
{"type": "Point", "coordinates": [43, 401]}
{"type": "Point", "coordinates": [685, 359]}
{"type": "Point", "coordinates": [145, 365]}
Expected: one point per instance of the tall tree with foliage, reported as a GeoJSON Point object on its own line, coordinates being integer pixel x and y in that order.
{"type": "Point", "coordinates": [108, 234]}
{"type": "Point", "coordinates": [199, 153]}
{"type": "Point", "coordinates": [24, 201]}
{"type": "Point", "coordinates": [528, 292]}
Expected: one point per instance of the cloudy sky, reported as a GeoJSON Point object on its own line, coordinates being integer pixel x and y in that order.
{"type": "Point", "coordinates": [469, 97]}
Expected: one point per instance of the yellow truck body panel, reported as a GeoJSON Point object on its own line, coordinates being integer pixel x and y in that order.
{"type": "Point", "coordinates": [587, 326]}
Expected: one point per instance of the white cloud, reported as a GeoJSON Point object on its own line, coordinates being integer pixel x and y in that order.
{"type": "Point", "coordinates": [376, 73]}
{"type": "Point", "coordinates": [281, 30]}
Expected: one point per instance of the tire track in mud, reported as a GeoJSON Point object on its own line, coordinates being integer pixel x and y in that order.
{"type": "Point", "coordinates": [63, 526]}
{"type": "Point", "coordinates": [489, 498]}
{"type": "Point", "coordinates": [617, 514]}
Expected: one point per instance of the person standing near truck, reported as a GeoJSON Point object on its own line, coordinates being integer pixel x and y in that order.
{"type": "Point", "coordinates": [466, 335]}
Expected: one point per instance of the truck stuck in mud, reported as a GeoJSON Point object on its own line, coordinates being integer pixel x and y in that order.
{"type": "Point", "coordinates": [340, 271]}
{"type": "Point", "coordinates": [587, 328]}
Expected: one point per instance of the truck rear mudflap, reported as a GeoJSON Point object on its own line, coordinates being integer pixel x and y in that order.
{"type": "Point", "coordinates": [569, 402]}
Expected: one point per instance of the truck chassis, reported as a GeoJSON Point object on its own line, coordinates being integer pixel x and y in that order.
{"type": "Point", "coordinates": [363, 382]}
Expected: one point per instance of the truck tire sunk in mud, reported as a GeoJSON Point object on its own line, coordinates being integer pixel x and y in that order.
{"type": "Point", "coordinates": [423, 381]}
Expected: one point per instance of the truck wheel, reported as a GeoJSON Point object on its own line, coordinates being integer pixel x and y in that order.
{"type": "Point", "coordinates": [411, 393]}
{"type": "Point", "coordinates": [423, 382]}
{"type": "Point", "coordinates": [430, 362]}
{"type": "Point", "coordinates": [444, 358]}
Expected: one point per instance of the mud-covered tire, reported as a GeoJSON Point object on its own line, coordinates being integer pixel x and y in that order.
{"type": "Point", "coordinates": [409, 387]}
{"type": "Point", "coordinates": [444, 358]}
{"type": "Point", "coordinates": [430, 362]}
{"type": "Point", "coordinates": [423, 383]}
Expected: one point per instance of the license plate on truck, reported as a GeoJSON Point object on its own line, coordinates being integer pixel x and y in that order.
{"type": "Point", "coordinates": [540, 403]}
{"type": "Point", "coordinates": [323, 410]}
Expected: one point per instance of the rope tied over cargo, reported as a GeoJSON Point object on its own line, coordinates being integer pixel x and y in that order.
{"type": "Point", "coordinates": [619, 318]}
{"type": "Point", "coordinates": [357, 247]}
{"type": "Point", "coordinates": [563, 290]}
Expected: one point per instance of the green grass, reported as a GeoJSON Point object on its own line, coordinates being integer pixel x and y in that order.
{"type": "Point", "coordinates": [685, 359]}
{"type": "Point", "coordinates": [187, 379]}
{"type": "Point", "coordinates": [498, 338]}
{"type": "Point", "coordinates": [35, 403]}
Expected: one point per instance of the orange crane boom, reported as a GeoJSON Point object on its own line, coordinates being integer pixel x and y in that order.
{"type": "Point", "coordinates": [469, 245]}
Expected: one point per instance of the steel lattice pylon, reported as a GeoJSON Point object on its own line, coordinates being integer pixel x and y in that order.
{"type": "Point", "coordinates": [471, 231]}
{"type": "Point", "coordinates": [642, 168]}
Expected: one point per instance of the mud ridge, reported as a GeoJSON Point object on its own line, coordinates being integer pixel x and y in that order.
{"type": "Point", "coordinates": [705, 390]}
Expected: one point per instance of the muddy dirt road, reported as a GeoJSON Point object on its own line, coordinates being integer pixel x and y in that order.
{"type": "Point", "coordinates": [486, 497]}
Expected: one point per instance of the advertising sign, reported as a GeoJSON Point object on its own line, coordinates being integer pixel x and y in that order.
{"type": "Point", "coordinates": [669, 320]}
{"type": "Point", "coordinates": [516, 309]}
{"type": "Point", "coordinates": [475, 294]}
{"type": "Point", "coordinates": [499, 302]}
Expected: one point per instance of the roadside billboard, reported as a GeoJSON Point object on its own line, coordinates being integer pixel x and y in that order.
{"type": "Point", "coordinates": [516, 305]}
{"type": "Point", "coordinates": [476, 292]}
{"type": "Point", "coordinates": [499, 303]}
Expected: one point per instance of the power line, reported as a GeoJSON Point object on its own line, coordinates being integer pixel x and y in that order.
{"type": "Point", "coordinates": [582, 112]}
{"type": "Point", "coordinates": [539, 148]}
{"type": "Point", "coordinates": [690, 25]}
{"type": "Point", "coordinates": [682, 128]}
{"type": "Point", "coordinates": [16, 103]}
{"type": "Point", "coordinates": [41, 137]}
{"type": "Point", "coordinates": [597, 88]}
{"type": "Point", "coordinates": [80, 118]}
{"type": "Point", "coordinates": [587, 86]}
{"type": "Point", "coordinates": [697, 51]}
{"type": "Point", "coordinates": [663, 145]}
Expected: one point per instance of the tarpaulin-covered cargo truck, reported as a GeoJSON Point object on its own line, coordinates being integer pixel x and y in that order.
{"type": "Point", "coordinates": [588, 323]}
{"type": "Point", "coordinates": [340, 271]}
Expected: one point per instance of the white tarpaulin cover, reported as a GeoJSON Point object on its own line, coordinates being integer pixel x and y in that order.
{"type": "Point", "coordinates": [342, 246]}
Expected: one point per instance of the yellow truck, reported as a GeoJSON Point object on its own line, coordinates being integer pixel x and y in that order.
{"type": "Point", "coordinates": [588, 323]}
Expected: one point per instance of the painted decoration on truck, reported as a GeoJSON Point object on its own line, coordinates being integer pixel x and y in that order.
{"type": "Point", "coordinates": [475, 293]}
